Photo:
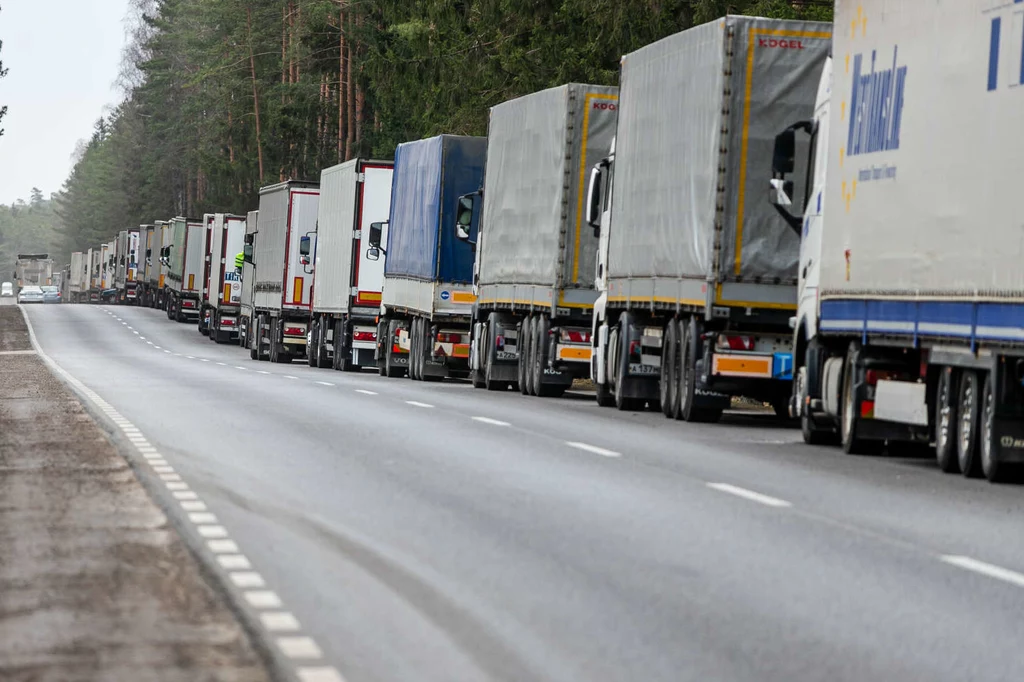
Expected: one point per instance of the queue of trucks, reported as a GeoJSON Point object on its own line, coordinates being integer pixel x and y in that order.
{"type": "Point", "coordinates": [715, 227]}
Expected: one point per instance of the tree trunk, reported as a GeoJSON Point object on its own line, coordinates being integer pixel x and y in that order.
{"type": "Point", "coordinates": [255, 93]}
{"type": "Point", "coordinates": [342, 90]}
{"type": "Point", "coordinates": [350, 137]}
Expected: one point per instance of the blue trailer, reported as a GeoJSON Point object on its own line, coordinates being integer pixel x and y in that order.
{"type": "Point", "coordinates": [427, 299]}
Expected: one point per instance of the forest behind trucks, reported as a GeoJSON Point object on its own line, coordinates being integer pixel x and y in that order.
{"type": "Point", "coordinates": [535, 256]}
{"type": "Point", "coordinates": [282, 283]}
{"type": "Point", "coordinates": [697, 272]}
{"type": "Point", "coordinates": [347, 282]}
{"type": "Point", "coordinates": [427, 299]}
{"type": "Point", "coordinates": [911, 321]}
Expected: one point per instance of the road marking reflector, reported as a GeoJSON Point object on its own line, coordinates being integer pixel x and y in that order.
{"type": "Point", "coordinates": [415, 403]}
{"type": "Point", "coordinates": [593, 448]}
{"type": "Point", "coordinates": [263, 599]}
{"type": "Point", "coordinates": [299, 647]}
{"type": "Point", "coordinates": [990, 570]}
{"type": "Point", "coordinates": [749, 495]}
{"type": "Point", "coordinates": [279, 621]}
{"type": "Point", "coordinates": [492, 422]}
{"type": "Point", "coordinates": [247, 579]}
{"type": "Point", "coordinates": [234, 562]}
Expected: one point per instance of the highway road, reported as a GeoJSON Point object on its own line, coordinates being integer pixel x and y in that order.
{"type": "Point", "coordinates": [438, 533]}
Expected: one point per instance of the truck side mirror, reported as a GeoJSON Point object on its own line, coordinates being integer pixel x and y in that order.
{"type": "Point", "coordinates": [304, 243]}
{"type": "Point", "coordinates": [594, 198]}
{"type": "Point", "coordinates": [247, 253]}
{"type": "Point", "coordinates": [373, 253]}
{"type": "Point", "coordinates": [376, 230]}
{"type": "Point", "coordinates": [784, 157]}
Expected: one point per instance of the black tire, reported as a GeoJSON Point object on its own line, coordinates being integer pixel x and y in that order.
{"type": "Point", "coordinates": [992, 467]}
{"type": "Point", "coordinates": [852, 445]}
{"type": "Point", "coordinates": [427, 348]}
{"type": "Point", "coordinates": [389, 370]}
{"type": "Point", "coordinates": [667, 384]}
{"type": "Point", "coordinates": [416, 348]}
{"type": "Point", "coordinates": [322, 361]}
{"type": "Point", "coordinates": [946, 393]}
{"type": "Point", "coordinates": [812, 434]}
{"type": "Point", "coordinates": [488, 350]}
{"type": "Point", "coordinates": [967, 429]}
{"type": "Point", "coordinates": [526, 357]}
{"type": "Point", "coordinates": [383, 343]}
{"type": "Point", "coordinates": [623, 403]}
{"type": "Point", "coordinates": [780, 405]}
{"type": "Point", "coordinates": [253, 340]}
{"type": "Point", "coordinates": [541, 327]}
{"type": "Point", "coordinates": [689, 338]}
{"type": "Point", "coordinates": [605, 392]}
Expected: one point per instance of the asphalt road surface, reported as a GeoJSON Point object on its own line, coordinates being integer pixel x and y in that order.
{"type": "Point", "coordinates": [436, 532]}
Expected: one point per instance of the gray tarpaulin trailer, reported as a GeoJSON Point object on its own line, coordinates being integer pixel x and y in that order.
{"type": "Point", "coordinates": [699, 271]}
{"type": "Point", "coordinates": [535, 255]}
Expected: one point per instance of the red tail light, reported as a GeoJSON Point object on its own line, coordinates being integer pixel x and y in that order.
{"type": "Point", "coordinates": [867, 409]}
{"type": "Point", "coordinates": [294, 331]}
{"type": "Point", "coordinates": [736, 342]}
{"type": "Point", "coordinates": [364, 336]}
{"type": "Point", "coordinates": [227, 322]}
{"type": "Point", "coordinates": [449, 338]}
{"type": "Point", "coordinates": [188, 303]}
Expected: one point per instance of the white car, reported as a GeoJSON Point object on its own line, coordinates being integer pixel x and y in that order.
{"type": "Point", "coordinates": [30, 294]}
{"type": "Point", "coordinates": [7, 289]}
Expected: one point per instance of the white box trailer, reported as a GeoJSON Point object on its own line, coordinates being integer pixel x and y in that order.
{"type": "Point", "coordinates": [282, 290]}
{"type": "Point", "coordinates": [698, 272]}
{"type": "Point", "coordinates": [910, 329]}
{"type": "Point", "coordinates": [147, 261]}
{"type": "Point", "coordinates": [163, 236]}
{"type": "Point", "coordinates": [127, 276]}
{"type": "Point", "coordinates": [184, 257]}
{"type": "Point", "coordinates": [347, 283]}
{"type": "Point", "coordinates": [223, 285]}
{"type": "Point", "coordinates": [94, 257]}
{"type": "Point", "coordinates": [246, 314]}
{"type": "Point", "coordinates": [204, 295]}
{"type": "Point", "coordinates": [108, 271]}
{"type": "Point", "coordinates": [78, 277]}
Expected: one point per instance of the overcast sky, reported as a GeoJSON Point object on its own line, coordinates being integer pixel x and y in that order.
{"type": "Point", "coordinates": [63, 57]}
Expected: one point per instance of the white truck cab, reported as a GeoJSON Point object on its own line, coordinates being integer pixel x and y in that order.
{"type": "Point", "coordinates": [599, 213]}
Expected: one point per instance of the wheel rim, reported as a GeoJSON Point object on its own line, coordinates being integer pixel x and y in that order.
{"type": "Point", "coordinates": [942, 437]}
{"type": "Point", "coordinates": [685, 371]}
{"type": "Point", "coordinates": [966, 414]}
{"type": "Point", "coordinates": [848, 409]}
{"type": "Point", "coordinates": [986, 431]}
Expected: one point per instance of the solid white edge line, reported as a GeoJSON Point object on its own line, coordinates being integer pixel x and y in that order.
{"type": "Point", "coordinates": [492, 422]}
{"type": "Point", "coordinates": [982, 568]}
{"type": "Point", "coordinates": [593, 448]}
{"type": "Point", "coordinates": [749, 495]}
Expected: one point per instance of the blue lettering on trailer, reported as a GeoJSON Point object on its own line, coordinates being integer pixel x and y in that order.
{"type": "Point", "coordinates": [995, 43]}
{"type": "Point", "coordinates": [876, 106]}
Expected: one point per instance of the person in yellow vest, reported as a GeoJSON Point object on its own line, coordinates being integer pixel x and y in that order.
{"type": "Point", "coordinates": [239, 259]}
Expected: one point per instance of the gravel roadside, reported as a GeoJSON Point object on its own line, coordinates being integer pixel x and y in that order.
{"type": "Point", "coordinates": [94, 582]}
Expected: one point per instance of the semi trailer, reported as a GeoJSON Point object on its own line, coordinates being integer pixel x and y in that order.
{"type": "Point", "coordinates": [184, 260]}
{"type": "Point", "coordinates": [223, 280]}
{"type": "Point", "coordinates": [282, 286]}
{"type": "Point", "coordinates": [697, 276]}
{"type": "Point", "coordinates": [427, 296]}
{"type": "Point", "coordinates": [33, 269]}
{"type": "Point", "coordinates": [347, 283]}
{"type": "Point", "coordinates": [910, 328]}
{"type": "Point", "coordinates": [246, 314]}
{"type": "Point", "coordinates": [163, 235]}
{"type": "Point", "coordinates": [95, 258]}
{"type": "Point", "coordinates": [78, 278]}
{"type": "Point", "coordinates": [146, 263]}
{"type": "Point", "coordinates": [535, 256]}
{"type": "Point", "coordinates": [127, 274]}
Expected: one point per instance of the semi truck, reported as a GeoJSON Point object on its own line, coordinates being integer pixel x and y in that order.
{"type": "Point", "coordinates": [78, 278]}
{"type": "Point", "coordinates": [127, 273]}
{"type": "Point", "coordinates": [223, 284]}
{"type": "Point", "coordinates": [95, 257]}
{"type": "Point", "coordinates": [204, 308]}
{"type": "Point", "coordinates": [427, 296]}
{"type": "Point", "coordinates": [163, 235]}
{"type": "Point", "coordinates": [346, 282]}
{"type": "Point", "coordinates": [697, 276]}
{"type": "Point", "coordinates": [146, 263]}
{"type": "Point", "coordinates": [108, 251]}
{"type": "Point", "coordinates": [910, 328]}
{"type": "Point", "coordinates": [535, 257]}
{"type": "Point", "coordinates": [184, 259]}
{"type": "Point", "coordinates": [33, 269]}
{"type": "Point", "coordinates": [281, 291]}
{"type": "Point", "coordinates": [246, 315]}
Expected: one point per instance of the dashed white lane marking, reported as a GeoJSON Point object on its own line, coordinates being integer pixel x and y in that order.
{"type": "Point", "coordinates": [289, 376]}
{"type": "Point", "coordinates": [226, 551]}
{"type": "Point", "coordinates": [190, 357]}
{"type": "Point", "coordinates": [365, 392]}
{"type": "Point", "coordinates": [319, 674]}
{"type": "Point", "coordinates": [324, 383]}
{"type": "Point", "coordinates": [234, 562]}
{"type": "Point", "coordinates": [749, 495]}
{"type": "Point", "coordinates": [990, 570]}
{"type": "Point", "coordinates": [223, 364]}
{"type": "Point", "coordinates": [244, 369]}
{"type": "Point", "coordinates": [587, 447]}
{"type": "Point", "coordinates": [492, 422]}
{"type": "Point", "coordinates": [415, 403]}
{"type": "Point", "coordinates": [136, 333]}
{"type": "Point", "coordinates": [299, 647]}
{"type": "Point", "coordinates": [262, 371]}
{"type": "Point", "coordinates": [247, 579]}
{"type": "Point", "coordinates": [279, 621]}
{"type": "Point", "coordinates": [204, 360]}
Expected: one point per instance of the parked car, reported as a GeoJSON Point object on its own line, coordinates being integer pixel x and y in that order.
{"type": "Point", "coordinates": [51, 294]}
{"type": "Point", "coordinates": [30, 294]}
{"type": "Point", "coordinates": [7, 289]}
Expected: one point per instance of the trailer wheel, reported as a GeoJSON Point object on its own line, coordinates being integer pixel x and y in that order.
{"type": "Point", "coordinates": [995, 471]}
{"type": "Point", "coordinates": [252, 340]}
{"type": "Point", "coordinates": [526, 357]}
{"type": "Point", "coordinates": [322, 361]}
{"type": "Point", "coordinates": [852, 445]}
{"type": "Point", "coordinates": [622, 402]}
{"type": "Point", "coordinates": [967, 429]}
{"type": "Point", "coordinates": [541, 327]}
{"type": "Point", "coordinates": [390, 370]}
{"type": "Point", "coordinates": [946, 421]}
{"type": "Point", "coordinates": [275, 353]}
{"type": "Point", "coordinates": [382, 348]}
{"type": "Point", "coordinates": [416, 349]}
{"type": "Point", "coordinates": [812, 434]}
{"type": "Point", "coordinates": [312, 348]}
{"type": "Point", "coordinates": [490, 343]}
{"type": "Point", "coordinates": [689, 345]}
{"type": "Point", "coordinates": [668, 388]}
